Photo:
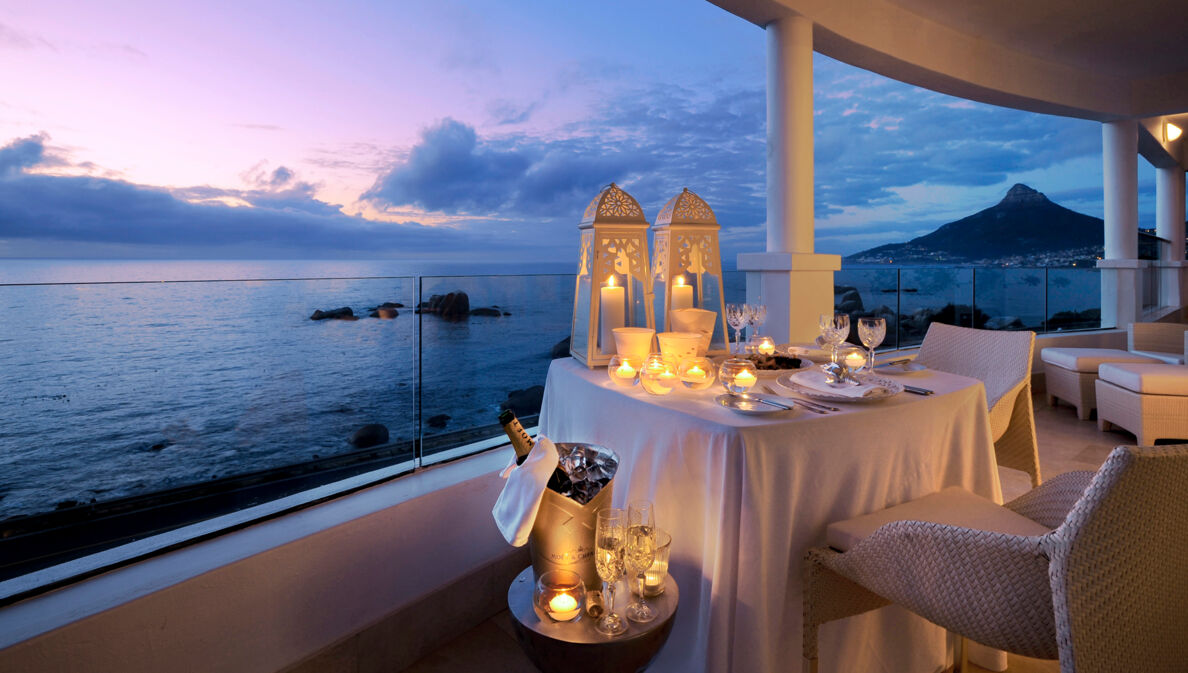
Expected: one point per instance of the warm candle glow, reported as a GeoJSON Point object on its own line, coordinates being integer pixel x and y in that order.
{"type": "Point", "coordinates": [766, 349]}
{"type": "Point", "coordinates": [563, 603]}
{"type": "Point", "coordinates": [695, 372]}
{"type": "Point", "coordinates": [744, 378]}
{"type": "Point", "coordinates": [854, 359]}
{"type": "Point", "coordinates": [625, 371]}
{"type": "Point", "coordinates": [680, 281]}
{"type": "Point", "coordinates": [610, 281]}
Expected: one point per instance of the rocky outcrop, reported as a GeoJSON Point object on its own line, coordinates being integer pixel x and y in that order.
{"type": "Point", "coordinates": [524, 402]}
{"type": "Point", "coordinates": [343, 313]}
{"type": "Point", "coordinates": [452, 306]}
{"type": "Point", "coordinates": [384, 313]}
{"type": "Point", "coordinates": [560, 349]}
{"type": "Point", "coordinates": [439, 421]}
{"type": "Point", "coordinates": [482, 311]}
{"type": "Point", "coordinates": [372, 434]}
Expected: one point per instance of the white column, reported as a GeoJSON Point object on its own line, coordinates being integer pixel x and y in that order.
{"type": "Point", "coordinates": [793, 282]}
{"type": "Point", "coordinates": [1169, 225]}
{"type": "Point", "coordinates": [790, 135]}
{"type": "Point", "coordinates": [1121, 299]}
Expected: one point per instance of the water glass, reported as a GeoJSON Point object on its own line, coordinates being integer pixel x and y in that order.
{"type": "Point", "coordinates": [871, 331]}
{"type": "Point", "coordinates": [639, 555]}
{"type": "Point", "coordinates": [610, 540]}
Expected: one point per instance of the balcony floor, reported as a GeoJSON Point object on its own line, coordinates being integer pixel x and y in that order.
{"type": "Point", "coordinates": [1065, 444]}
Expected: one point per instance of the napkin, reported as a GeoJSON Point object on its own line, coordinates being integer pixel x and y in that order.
{"type": "Point", "coordinates": [815, 379]}
{"type": "Point", "coordinates": [515, 510]}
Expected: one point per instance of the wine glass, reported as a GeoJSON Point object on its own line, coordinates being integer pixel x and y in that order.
{"type": "Point", "coordinates": [640, 552]}
{"type": "Point", "coordinates": [610, 538]}
{"type": "Point", "coordinates": [736, 317]}
{"type": "Point", "coordinates": [835, 327]}
{"type": "Point", "coordinates": [757, 318]}
{"type": "Point", "coordinates": [871, 331]}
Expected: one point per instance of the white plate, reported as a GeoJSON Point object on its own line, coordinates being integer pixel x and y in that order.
{"type": "Point", "coordinates": [889, 388]}
{"type": "Point", "coordinates": [897, 370]}
{"type": "Point", "coordinates": [748, 407]}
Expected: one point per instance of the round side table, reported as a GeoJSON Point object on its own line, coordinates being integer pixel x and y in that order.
{"type": "Point", "coordinates": [575, 647]}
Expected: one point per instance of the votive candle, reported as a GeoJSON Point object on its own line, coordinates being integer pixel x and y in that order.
{"type": "Point", "coordinates": [563, 607]}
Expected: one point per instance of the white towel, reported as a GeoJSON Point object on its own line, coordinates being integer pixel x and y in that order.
{"type": "Point", "coordinates": [515, 510]}
{"type": "Point", "coordinates": [815, 378]}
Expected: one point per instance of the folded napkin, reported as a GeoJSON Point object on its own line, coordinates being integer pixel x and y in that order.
{"type": "Point", "coordinates": [515, 510]}
{"type": "Point", "coordinates": [815, 379]}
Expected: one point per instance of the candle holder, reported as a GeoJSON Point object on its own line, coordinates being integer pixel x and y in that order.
{"type": "Point", "coordinates": [623, 370]}
{"type": "Point", "coordinates": [659, 374]}
{"type": "Point", "coordinates": [612, 288]}
{"type": "Point", "coordinates": [852, 358]}
{"type": "Point", "coordinates": [697, 373]}
{"type": "Point", "coordinates": [653, 584]}
{"type": "Point", "coordinates": [762, 345]}
{"type": "Point", "coordinates": [738, 375]}
{"type": "Point", "coordinates": [559, 595]}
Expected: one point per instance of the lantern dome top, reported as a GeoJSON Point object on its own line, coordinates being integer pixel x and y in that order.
{"type": "Point", "coordinates": [613, 206]}
{"type": "Point", "coordinates": [686, 208]}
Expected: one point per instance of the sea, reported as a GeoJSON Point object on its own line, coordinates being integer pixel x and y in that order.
{"type": "Point", "coordinates": [123, 377]}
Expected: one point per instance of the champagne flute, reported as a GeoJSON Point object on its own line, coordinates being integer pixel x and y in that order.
{"type": "Point", "coordinates": [640, 552]}
{"type": "Point", "coordinates": [610, 537]}
{"type": "Point", "coordinates": [736, 317]}
{"type": "Point", "coordinates": [872, 331]}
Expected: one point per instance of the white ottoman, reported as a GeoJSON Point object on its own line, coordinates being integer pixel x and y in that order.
{"type": "Point", "coordinates": [1150, 400]}
{"type": "Point", "coordinates": [1069, 374]}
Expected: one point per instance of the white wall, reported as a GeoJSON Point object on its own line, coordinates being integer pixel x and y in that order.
{"type": "Point", "coordinates": [266, 597]}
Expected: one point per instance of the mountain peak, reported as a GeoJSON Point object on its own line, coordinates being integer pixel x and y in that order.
{"type": "Point", "coordinates": [1021, 194]}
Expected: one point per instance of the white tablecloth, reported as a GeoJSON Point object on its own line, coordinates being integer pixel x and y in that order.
{"type": "Point", "coordinates": [745, 497]}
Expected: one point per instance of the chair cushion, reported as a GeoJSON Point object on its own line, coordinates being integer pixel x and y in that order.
{"type": "Point", "coordinates": [1089, 359]}
{"type": "Point", "coordinates": [1169, 358]}
{"type": "Point", "coordinates": [954, 506]}
{"type": "Point", "coordinates": [1152, 379]}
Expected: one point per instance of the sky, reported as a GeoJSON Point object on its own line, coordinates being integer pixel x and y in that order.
{"type": "Point", "coordinates": [462, 130]}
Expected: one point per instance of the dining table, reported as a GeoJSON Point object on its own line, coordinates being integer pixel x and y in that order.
{"type": "Point", "coordinates": [746, 496]}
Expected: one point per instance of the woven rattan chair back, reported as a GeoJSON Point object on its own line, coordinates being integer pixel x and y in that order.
{"type": "Point", "coordinates": [1119, 566]}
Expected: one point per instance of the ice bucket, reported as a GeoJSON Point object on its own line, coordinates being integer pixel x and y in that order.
{"type": "Point", "coordinates": [562, 536]}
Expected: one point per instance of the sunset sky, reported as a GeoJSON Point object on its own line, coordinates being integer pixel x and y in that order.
{"type": "Point", "coordinates": [461, 128]}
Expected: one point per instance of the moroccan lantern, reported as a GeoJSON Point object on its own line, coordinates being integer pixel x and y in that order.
{"type": "Point", "coordinates": [613, 288]}
{"type": "Point", "coordinates": [687, 270]}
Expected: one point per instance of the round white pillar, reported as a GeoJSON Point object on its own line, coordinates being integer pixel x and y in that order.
{"type": "Point", "coordinates": [1169, 211]}
{"type": "Point", "coordinates": [1119, 153]}
{"type": "Point", "coordinates": [790, 135]}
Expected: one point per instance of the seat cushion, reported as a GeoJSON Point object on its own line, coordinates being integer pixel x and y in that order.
{"type": "Point", "coordinates": [1151, 379]}
{"type": "Point", "coordinates": [954, 506]}
{"type": "Point", "coordinates": [1169, 358]}
{"type": "Point", "coordinates": [1089, 359]}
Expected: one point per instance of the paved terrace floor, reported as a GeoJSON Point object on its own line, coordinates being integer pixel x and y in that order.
{"type": "Point", "coordinates": [1065, 444]}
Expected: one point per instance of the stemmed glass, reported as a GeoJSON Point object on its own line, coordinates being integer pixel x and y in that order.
{"type": "Point", "coordinates": [610, 538]}
{"type": "Point", "coordinates": [737, 316]}
{"type": "Point", "coordinates": [641, 551]}
{"type": "Point", "coordinates": [758, 315]}
{"type": "Point", "coordinates": [872, 331]}
{"type": "Point", "coordinates": [835, 327]}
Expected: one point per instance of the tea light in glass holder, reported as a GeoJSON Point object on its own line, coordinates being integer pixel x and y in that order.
{"type": "Point", "coordinates": [763, 345]}
{"type": "Point", "coordinates": [738, 375]}
{"type": "Point", "coordinates": [624, 371]}
{"type": "Point", "coordinates": [697, 373]}
{"type": "Point", "coordinates": [653, 584]}
{"type": "Point", "coordinates": [659, 374]}
{"type": "Point", "coordinates": [560, 594]}
{"type": "Point", "coordinates": [853, 358]}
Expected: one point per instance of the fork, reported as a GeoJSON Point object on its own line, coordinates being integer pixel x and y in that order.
{"type": "Point", "coordinates": [811, 406]}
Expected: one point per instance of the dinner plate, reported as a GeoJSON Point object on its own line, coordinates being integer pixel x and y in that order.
{"type": "Point", "coordinates": [905, 368]}
{"type": "Point", "coordinates": [887, 387]}
{"type": "Point", "coordinates": [749, 407]}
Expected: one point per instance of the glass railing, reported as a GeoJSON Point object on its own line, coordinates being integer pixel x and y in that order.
{"type": "Point", "coordinates": [134, 408]}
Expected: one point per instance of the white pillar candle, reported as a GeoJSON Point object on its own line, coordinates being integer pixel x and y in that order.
{"type": "Point", "coordinates": [611, 310]}
{"type": "Point", "coordinates": [682, 295]}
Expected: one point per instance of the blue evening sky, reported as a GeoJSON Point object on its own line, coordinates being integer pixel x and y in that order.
{"type": "Point", "coordinates": [461, 129]}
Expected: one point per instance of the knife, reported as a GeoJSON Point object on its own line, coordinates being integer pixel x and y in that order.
{"type": "Point", "coordinates": [807, 404]}
{"type": "Point", "coordinates": [892, 363]}
{"type": "Point", "coordinates": [918, 391]}
{"type": "Point", "coordinates": [755, 398]}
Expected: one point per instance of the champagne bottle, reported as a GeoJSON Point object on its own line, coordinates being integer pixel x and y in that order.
{"type": "Point", "coordinates": [522, 442]}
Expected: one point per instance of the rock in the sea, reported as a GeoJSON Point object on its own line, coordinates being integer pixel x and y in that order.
{"type": "Point", "coordinates": [524, 402]}
{"type": "Point", "coordinates": [372, 434]}
{"type": "Point", "coordinates": [439, 421]}
{"type": "Point", "coordinates": [452, 306]}
{"type": "Point", "coordinates": [560, 349]}
{"type": "Point", "coordinates": [391, 304]}
{"type": "Point", "coordinates": [343, 313]}
{"type": "Point", "coordinates": [384, 313]}
{"type": "Point", "coordinates": [493, 312]}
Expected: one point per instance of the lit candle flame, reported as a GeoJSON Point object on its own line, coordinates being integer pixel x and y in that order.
{"type": "Point", "coordinates": [680, 281]}
{"type": "Point", "coordinates": [610, 281]}
{"type": "Point", "coordinates": [625, 371]}
{"type": "Point", "coordinates": [563, 603]}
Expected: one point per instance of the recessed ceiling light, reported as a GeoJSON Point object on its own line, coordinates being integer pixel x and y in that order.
{"type": "Point", "coordinates": [1171, 131]}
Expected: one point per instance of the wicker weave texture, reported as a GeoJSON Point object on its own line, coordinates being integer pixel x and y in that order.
{"type": "Point", "coordinates": [1160, 337]}
{"type": "Point", "coordinates": [1149, 417]}
{"type": "Point", "coordinates": [1076, 388]}
{"type": "Point", "coordinates": [1002, 361]}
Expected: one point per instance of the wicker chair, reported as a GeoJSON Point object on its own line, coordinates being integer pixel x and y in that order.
{"type": "Point", "coordinates": [1002, 360]}
{"type": "Point", "coordinates": [1105, 591]}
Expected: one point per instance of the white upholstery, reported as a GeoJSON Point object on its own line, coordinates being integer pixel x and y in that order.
{"type": "Point", "coordinates": [1168, 358]}
{"type": "Point", "coordinates": [1149, 379]}
{"type": "Point", "coordinates": [1089, 359]}
{"type": "Point", "coordinates": [954, 506]}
